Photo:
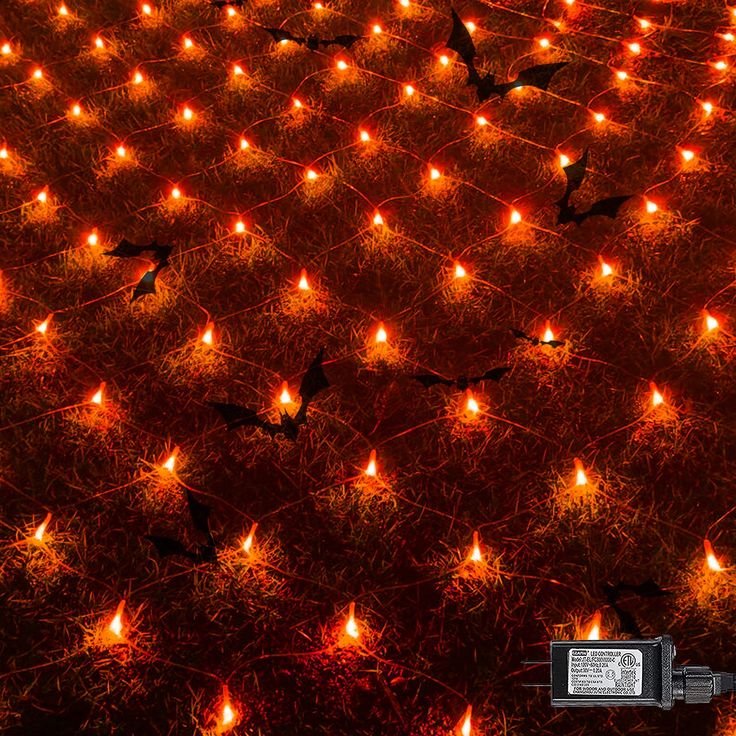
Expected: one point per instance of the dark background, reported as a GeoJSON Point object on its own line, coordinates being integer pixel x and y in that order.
{"type": "Point", "coordinates": [437, 632]}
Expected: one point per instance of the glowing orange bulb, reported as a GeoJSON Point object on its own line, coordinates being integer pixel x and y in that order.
{"type": "Point", "coordinates": [481, 121]}
{"type": "Point", "coordinates": [318, 6]}
{"type": "Point", "coordinates": [311, 174]}
{"type": "Point", "coordinates": [187, 113]}
{"type": "Point", "coordinates": [444, 60]}
{"type": "Point", "coordinates": [365, 136]}
{"type": "Point", "coordinates": [657, 397]}
{"type": "Point", "coordinates": [208, 335]}
{"type": "Point", "coordinates": [471, 405]}
{"type": "Point", "coordinates": [115, 626]}
{"type": "Point", "coordinates": [515, 217]}
{"type": "Point", "coordinates": [652, 207]}
{"type": "Point", "coordinates": [3, 152]}
{"type": "Point", "coordinates": [404, 3]}
{"type": "Point", "coordinates": [351, 627]}
{"type": "Point", "coordinates": [707, 108]}
{"type": "Point", "coordinates": [728, 36]}
{"type": "Point", "coordinates": [99, 395]}
{"type": "Point", "coordinates": [377, 219]}
{"type": "Point", "coordinates": [409, 90]}
{"type": "Point", "coordinates": [643, 23]}
{"type": "Point", "coordinates": [377, 29]}
{"type": "Point", "coordinates": [285, 396]}
{"type": "Point", "coordinates": [170, 462]}
{"type": "Point", "coordinates": [606, 269]}
{"type": "Point", "coordinates": [460, 272]}
{"type": "Point", "coordinates": [471, 26]}
{"type": "Point", "coordinates": [710, 557]}
{"type": "Point", "coordinates": [711, 323]}
{"type": "Point", "coordinates": [465, 725]}
{"type": "Point", "coordinates": [175, 193]}
{"type": "Point", "coordinates": [238, 70]}
{"type": "Point", "coordinates": [99, 43]}
{"type": "Point", "coordinates": [434, 174]}
{"type": "Point", "coordinates": [371, 469]}
{"type": "Point", "coordinates": [341, 64]}
{"type": "Point", "coordinates": [244, 145]}
{"type": "Point", "coordinates": [231, 12]}
{"type": "Point", "coordinates": [63, 10]}
{"type": "Point", "coordinates": [564, 160]}
{"type": "Point", "coordinates": [475, 554]}
{"type": "Point", "coordinates": [6, 49]}
{"type": "Point", "coordinates": [297, 103]}
{"type": "Point", "coordinates": [137, 78]}
{"type": "Point", "coordinates": [38, 536]}
{"type": "Point", "coordinates": [248, 542]}
{"type": "Point", "coordinates": [187, 42]}
{"type": "Point", "coordinates": [93, 239]}
{"type": "Point", "coordinates": [599, 117]}
{"type": "Point", "coordinates": [42, 327]}
{"type": "Point", "coordinates": [240, 227]}
{"type": "Point", "coordinates": [543, 42]}
{"type": "Point", "coordinates": [687, 154]}
{"type": "Point", "coordinates": [594, 630]}
{"type": "Point", "coordinates": [76, 110]}
{"type": "Point", "coordinates": [42, 196]}
{"type": "Point", "coordinates": [121, 151]}
{"type": "Point", "coordinates": [381, 334]}
{"type": "Point", "coordinates": [721, 65]}
{"type": "Point", "coordinates": [146, 9]}
{"type": "Point", "coordinates": [227, 718]}
{"type": "Point", "coordinates": [38, 73]}
{"type": "Point", "coordinates": [303, 281]}
{"type": "Point", "coordinates": [635, 47]}
{"type": "Point", "coordinates": [622, 75]}
{"type": "Point", "coordinates": [581, 479]}
{"type": "Point", "coordinates": [548, 334]}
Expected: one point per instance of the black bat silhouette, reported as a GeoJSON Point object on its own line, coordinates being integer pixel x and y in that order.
{"type": "Point", "coordinates": [313, 381]}
{"type": "Point", "coordinates": [575, 174]}
{"type": "Point", "coordinates": [461, 43]}
{"type": "Point", "coordinates": [462, 382]}
{"type": "Point", "coordinates": [225, 3]}
{"type": "Point", "coordinates": [313, 42]}
{"type": "Point", "coordinates": [147, 284]}
{"type": "Point", "coordinates": [521, 335]}
{"type": "Point", "coordinates": [200, 515]}
{"type": "Point", "coordinates": [647, 589]}
{"type": "Point", "coordinates": [126, 249]}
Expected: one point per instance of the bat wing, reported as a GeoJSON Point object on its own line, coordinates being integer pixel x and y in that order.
{"type": "Point", "coordinates": [553, 343]}
{"type": "Point", "coordinates": [280, 34]}
{"type": "Point", "coordinates": [539, 76]}
{"type": "Point", "coordinates": [161, 252]}
{"type": "Point", "coordinates": [494, 374]}
{"type": "Point", "coordinates": [167, 547]}
{"type": "Point", "coordinates": [521, 335]}
{"type": "Point", "coordinates": [200, 513]}
{"type": "Point", "coordinates": [575, 173]}
{"type": "Point", "coordinates": [647, 589]}
{"type": "Point", "coordinates": [431, 379]}
{"type": "Point", "coordinates": [612, 593]}
{"type": "Point", "coordinates": [126, 249]}
{"type": "Point", "coordinates": [346, 41]}
{"type": "Point", "coordinates": [608, 207]}
{"type": "Point", "coordinates": [147, 284]}
{"type": "Point", "coordinates": [314, 379]}
{"type": "Point", "coordinates": [235, 415]}
{"type": "Point", "coordinates": [461, 42]}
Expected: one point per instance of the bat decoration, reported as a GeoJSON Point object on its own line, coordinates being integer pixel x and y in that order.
{"type": "Point", "coordinates": [647, 589]}
{"type": "Point", "coordinates": [521, 335]}
{"type": "Point", "coordinates": [575, 174]}
{"type": "Point", "coordinates": [462, 382]}
{"type": "Point", "coordinates": [147, 284]}
{"type": "Point", "coordinates": [313, 381]}
{"type": "Point", "coordinates": [461, 43]}
{"type": "Point", "coordinates": [200, 515]}
{"type": "Point", "coordinates": [313, 42]}
{"type": "Point", "coordinates": [225, 3]}
{"type": "Point", "coordinates": [126, 249]}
